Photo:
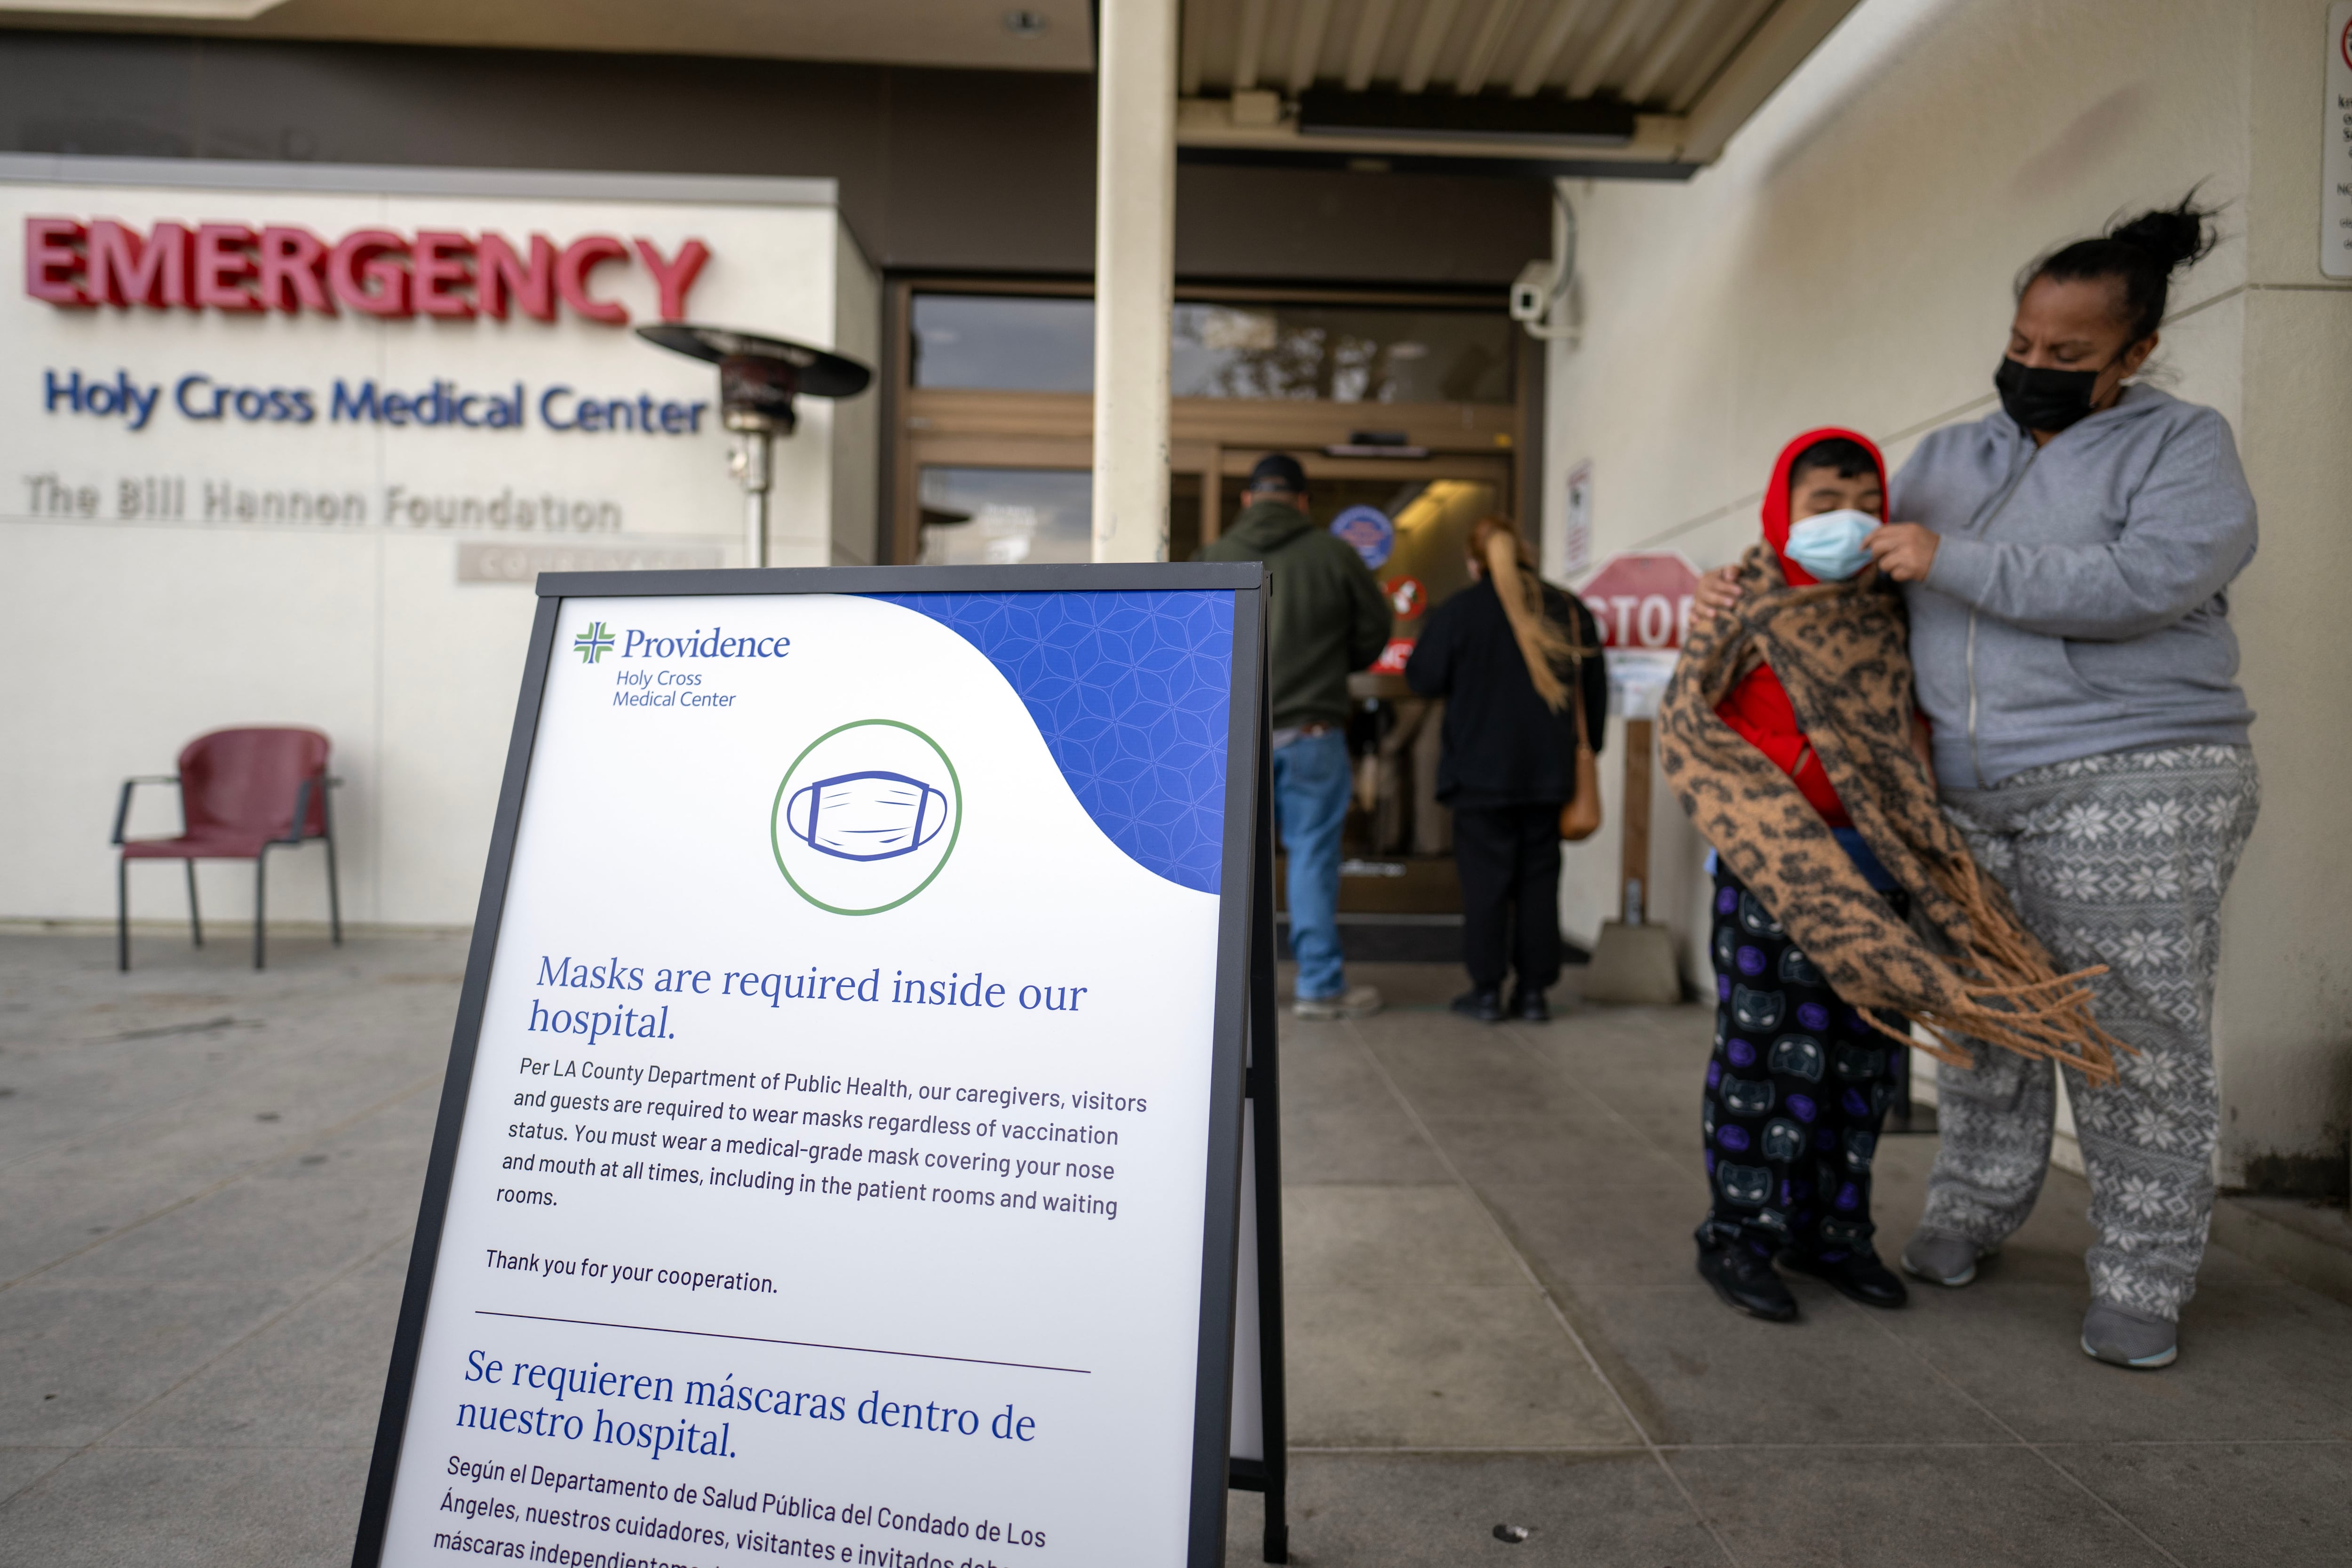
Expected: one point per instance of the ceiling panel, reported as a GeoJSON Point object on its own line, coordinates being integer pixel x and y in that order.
{"type": "Point", "coordinates": [1693, 70]}
{"type": "Point", "coordinates": [948, 33]}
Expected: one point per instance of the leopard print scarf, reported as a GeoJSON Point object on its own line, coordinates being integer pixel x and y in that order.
{"type": "Point", "coordinates": [1842, 650]}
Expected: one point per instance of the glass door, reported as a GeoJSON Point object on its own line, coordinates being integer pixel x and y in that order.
{"type": "Point", "coordinates": [1006, 517]}
{"type": "Point", "coordinates": [1410, 414]}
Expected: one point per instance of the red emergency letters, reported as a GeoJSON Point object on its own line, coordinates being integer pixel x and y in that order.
{"type": "Point", "coordinates": [374, 271]}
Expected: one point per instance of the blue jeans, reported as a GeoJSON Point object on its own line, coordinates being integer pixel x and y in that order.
{"type": "Point", "coordinates": [1311, 785]}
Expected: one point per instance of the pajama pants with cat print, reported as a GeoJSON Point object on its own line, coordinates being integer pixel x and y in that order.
{"type": "Point", "coordinates": [1795, 1092]}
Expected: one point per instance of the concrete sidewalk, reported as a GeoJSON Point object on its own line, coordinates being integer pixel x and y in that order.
{"type": "Point", "coordinates": [1497, 1320]}
{"type": "Point", "coordinates": [208, 1178]}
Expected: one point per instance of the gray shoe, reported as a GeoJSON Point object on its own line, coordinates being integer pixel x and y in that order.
{"type": "Point", "coordinates": [1942, 1259]}
{"type": "Point", "coordinates": [2121, 1337]}
{"type": "Point", "coordinates": [1355, 1001]}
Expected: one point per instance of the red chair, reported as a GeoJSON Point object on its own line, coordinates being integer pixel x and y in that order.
{"type": "Point", "coordinates": [242, 793]}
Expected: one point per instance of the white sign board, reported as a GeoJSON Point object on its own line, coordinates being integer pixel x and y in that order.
{"type": "Point", "coordinates": [2335, 147]}
{"type": "Point", "coordinates": [842, 1150]}
{"type": "Point", "coordinates": [1576, 540]}
{"type": "Point", "coordinates": [316, 431]}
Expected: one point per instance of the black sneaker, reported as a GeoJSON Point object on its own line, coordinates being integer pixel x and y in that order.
{"type": "Point", "coordinates": [1529, 1006]}
{"type": "Point", "coordinates": [1856, 1276]}
{"type": "Point", "coordinates": [1744, 1279]}
{"type": "Point", "coordinates": [1482, 1003]}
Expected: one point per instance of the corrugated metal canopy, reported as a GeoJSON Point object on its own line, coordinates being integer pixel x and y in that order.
{"type": "Point", "coordinates": [1624, 86]}
{"type": "Point", "coordinates": [1655, 54]}
{"type": "Point", "coordinates": [1689, 69]}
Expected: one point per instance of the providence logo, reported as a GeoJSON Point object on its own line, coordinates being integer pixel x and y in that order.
{"type": "Point", "coordinates": [866, 816]}
{"type": "Point", "coordinates": [592, 644]}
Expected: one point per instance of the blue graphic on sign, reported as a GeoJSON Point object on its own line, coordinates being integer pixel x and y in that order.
{"type": "Point", "coordinates": [873, 815]}
{"type": "Point", "coordinates": [1131, 692]}
{"type": "Point", "coordinates": [1368, 530]}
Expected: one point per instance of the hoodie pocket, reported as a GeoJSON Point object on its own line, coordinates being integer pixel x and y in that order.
{"type": "Point", "coordinates": [2028, 686]}
{"type": "Point", "coordinates": [2078, 656]}
{"type": "Point", "coordinates": [2193, 662]}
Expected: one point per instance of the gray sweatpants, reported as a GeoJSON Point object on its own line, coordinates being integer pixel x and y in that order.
{"type": "Point", "coordinates": [2119, 859]}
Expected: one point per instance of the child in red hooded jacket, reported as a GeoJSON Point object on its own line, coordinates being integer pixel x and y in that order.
{"type": "Point", "coordinates": [1798, 1081]}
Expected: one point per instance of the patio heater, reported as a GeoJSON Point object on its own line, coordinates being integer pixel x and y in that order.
{"type": "Point", "coordinates": [758, 379]}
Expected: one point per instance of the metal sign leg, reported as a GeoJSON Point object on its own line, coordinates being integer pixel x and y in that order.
{"type": "Point", "coordinates": [1265, 1113]}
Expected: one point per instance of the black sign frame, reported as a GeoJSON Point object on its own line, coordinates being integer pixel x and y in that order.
{"type": "Point", "coordinates": [1244, 873]}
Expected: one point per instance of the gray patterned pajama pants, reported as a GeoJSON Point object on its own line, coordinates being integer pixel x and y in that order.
{"type": "Point", "coordinates": [2119, 859]}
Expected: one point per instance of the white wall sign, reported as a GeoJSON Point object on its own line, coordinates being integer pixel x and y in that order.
{"type": "Point", "coordinates": [313, 428]}
{"type": "Point", "coordinates": [842, 1151]}
{"type": "Point", "coordinates": [1576, 538]}
{"type": "Point", "coordinates": [2335, 147]}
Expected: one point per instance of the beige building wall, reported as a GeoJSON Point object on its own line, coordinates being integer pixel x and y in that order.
{"type": "Point", "coordinates": [1849, 261]}
{"type": "Point", "coordinates": [132, 634]}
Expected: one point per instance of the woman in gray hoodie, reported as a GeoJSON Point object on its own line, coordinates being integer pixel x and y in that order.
{"type": "Point", "coordinates": [2067, 562]}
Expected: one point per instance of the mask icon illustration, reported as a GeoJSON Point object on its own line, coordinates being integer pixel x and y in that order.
{"type": "Point", "coordinates": [1726, 946]}
{"type": "Point", "coordinates": [1745, 1096]}
{"type": "Point", "coordinates": [1842, 1233]}
{"type": "Point", "coordinates": [1756, 917]}
{"type": "Point", "coordinates": [1798, 1055]}
{"type": "Point", "coordinates": [1756, 1009]}
{"type": "Point", "coordinates": [873, 815]}
{"type": "Point", "coordinates": [1859, 1148]}
{"type": "Point", "coordinates": [1744, 1183]}
{"type": "Point", "coordinates": [866, 816]}
{"type": "Point", "coordinates": [1783, 1139]}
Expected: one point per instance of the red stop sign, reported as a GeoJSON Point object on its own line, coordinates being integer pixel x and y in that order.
{"type": "Point", "coordinates": [1642, 598]}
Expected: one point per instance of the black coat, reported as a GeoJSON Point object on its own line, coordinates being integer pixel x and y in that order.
{"type": "Point", "coordinates": [1503, 746]}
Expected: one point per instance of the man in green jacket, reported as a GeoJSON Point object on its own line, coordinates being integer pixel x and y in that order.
{"type": "Point", "coordinates": [1328, 616]}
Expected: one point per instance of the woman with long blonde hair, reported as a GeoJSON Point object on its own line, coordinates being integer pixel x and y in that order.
{"type": "Point", "coordinates": [1518, 662]}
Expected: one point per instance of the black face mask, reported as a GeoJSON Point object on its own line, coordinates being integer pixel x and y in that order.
{"type": "Point", "coordinates": [2040, 397]}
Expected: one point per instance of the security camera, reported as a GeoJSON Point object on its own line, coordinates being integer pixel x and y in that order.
{"type": "Point", "coordinates": [1531, 292]}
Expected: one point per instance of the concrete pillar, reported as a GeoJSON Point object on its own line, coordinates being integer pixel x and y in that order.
{"type": "Point", "coordinates": [2283, 1018]}
{"type": "Point", "coordinates": [1135, 258]}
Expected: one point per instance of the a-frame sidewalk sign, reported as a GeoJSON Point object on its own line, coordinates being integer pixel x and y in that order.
{"type": "Point", "coordinates": [864, 1086]}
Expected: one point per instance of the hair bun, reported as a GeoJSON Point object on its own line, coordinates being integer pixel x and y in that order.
{"type": "Point", "coordinates": [2173, 237]}
{"type": "Point", "coordinates": [2140, 254]}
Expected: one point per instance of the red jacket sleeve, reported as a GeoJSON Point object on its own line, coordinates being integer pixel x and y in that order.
{"type": "Point", "coordinates": [1759, 709]}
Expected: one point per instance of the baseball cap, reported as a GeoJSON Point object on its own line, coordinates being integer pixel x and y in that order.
{"type": "Point", "coordinates": [1279, 471]}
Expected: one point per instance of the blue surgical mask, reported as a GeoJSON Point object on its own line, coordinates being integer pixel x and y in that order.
{"type": "Point", "coordinates": [870, 816]}
{"type": "Point", "coordinates": [1829, 545]}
